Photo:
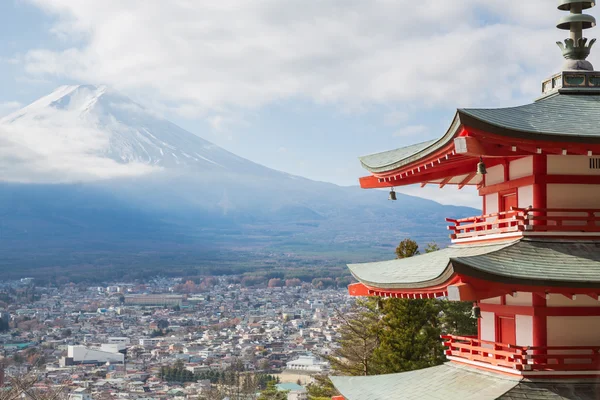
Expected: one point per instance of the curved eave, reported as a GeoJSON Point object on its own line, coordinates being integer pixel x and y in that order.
{"type": "Point", "coordinates": [528, 262]}
{"type": "Point", "coordinates": [378, 163]}
{"type": "Point", "coordinates": [538, 262]}
{"type": "Point", "coordinates": [486, 126]}
{"type": "Point", "coordinates": [430, 270]}
{"type": "Point", "coordinates": [561, 118]}
{"type": "Point", "coordinates": [569, 118]}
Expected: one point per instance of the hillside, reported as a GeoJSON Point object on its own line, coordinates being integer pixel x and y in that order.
{"type": "Point", "coordinates": [92, 179]}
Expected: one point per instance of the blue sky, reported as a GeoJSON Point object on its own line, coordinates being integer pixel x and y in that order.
{"type": "Point", "coordinates": [300, 86]}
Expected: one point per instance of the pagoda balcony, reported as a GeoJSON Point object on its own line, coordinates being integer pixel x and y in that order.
{"type": "Point", "coordinates": [527, 221]}
{"type": "Point", "coordinates": [523, 360]}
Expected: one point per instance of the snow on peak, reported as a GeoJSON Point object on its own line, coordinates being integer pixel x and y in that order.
{"type": "Point", "coordinates": [85, 132]}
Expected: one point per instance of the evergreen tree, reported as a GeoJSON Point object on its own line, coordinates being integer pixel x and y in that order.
{"type": "Point", "coordinates": [409, 335]}
{"type": "Point", "coordinates": [457, 319]}
{"type": "Point", "coordinates": [321, 388]}
{"type": "Point", "coordinates": [271, 393]}
{"type": "Point", "coordinates": [409, 338]}
{"type": "Point", "coordinates": [359, 332]}
{"type": "Point", "coordinates": [407, 248]}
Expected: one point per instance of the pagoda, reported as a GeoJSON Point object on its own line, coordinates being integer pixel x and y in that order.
{"type": "Point", "coordinates": [530, 264]}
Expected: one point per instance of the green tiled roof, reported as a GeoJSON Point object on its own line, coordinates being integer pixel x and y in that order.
{"type": "Point", "coordinates": [446, 382]}
{"type": "Point", "coordinates": [547, 261]}
{"type": "Point", "coordinates": [530, 261]}
{"type": "Point", "coordinates": [560, 115]}
{"type": "Point", "coordinates": [418, 271]}
{"type": "Point", "coordinates": [388, 158]}
{"type": "Point", "coordinates": [454, 382]}
{"type": "Point", "coordinates": [553, 391]}
{"type": "Point", "coordinates": [564, 117]}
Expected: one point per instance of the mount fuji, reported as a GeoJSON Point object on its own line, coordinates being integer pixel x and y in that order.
{"type": "Point", "coordinates": [90, 178]}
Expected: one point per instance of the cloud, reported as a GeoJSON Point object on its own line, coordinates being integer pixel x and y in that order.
{"type": "Point", "coordinates": [9, 106]}
{"type": "Point", "coordinates": [59, 146]}
{"type": "Point", "coordinates": [411, 130]}
{"type": "Point", "coordinates": [210, 57]}
{"type": "Point", "coordinates": [449, 195]}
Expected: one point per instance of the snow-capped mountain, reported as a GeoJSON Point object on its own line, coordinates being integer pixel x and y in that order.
{"type": "Point", "coordinates": [89, 132]}
{"type": "Point", "coordinates": [89, 177]}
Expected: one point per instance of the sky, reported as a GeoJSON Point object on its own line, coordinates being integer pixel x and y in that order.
{"type": "Point", "coordinates": [302, 86]}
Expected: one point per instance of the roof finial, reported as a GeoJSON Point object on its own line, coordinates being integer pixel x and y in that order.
{"type": "Point", "coordinates": [574, 49]}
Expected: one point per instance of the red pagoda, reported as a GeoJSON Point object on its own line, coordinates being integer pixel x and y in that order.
{"type": "Point", "coordinates": [530, 263]}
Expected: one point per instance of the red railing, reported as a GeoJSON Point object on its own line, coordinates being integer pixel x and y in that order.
{"type": "Point", "coordinates": [524, 358]}
{"type": "Point", "coordinates": [526, 220]}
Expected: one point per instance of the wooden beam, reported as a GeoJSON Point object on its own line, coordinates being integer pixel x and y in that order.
{"type": "Point", "coordinates": [466, 181]}
{"type": "Point", "coordinates": [445, 181]}
{"type": "Point", "coordinates": [467, 145]}
{"type": "Point", "coordinates": [515, 183]}
{"type": "Point", "coordinates": [440, 172]}
{"type": "Point", "coordinates": [461, 292]}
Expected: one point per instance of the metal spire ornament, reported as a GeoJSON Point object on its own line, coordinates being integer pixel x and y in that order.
{"type": "Point", "coordinates": [392, 195]}
{"type": "Point", "coordinates": [574, 49]}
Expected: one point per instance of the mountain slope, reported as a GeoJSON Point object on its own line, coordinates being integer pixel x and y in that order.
{"type": "Point", "coordinates": [91, 178]}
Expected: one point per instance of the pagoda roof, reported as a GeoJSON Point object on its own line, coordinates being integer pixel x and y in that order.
{"type": "Point", "coordinates": [526, 261]}
{"type": "Point", "coordinates": [453, 382]}
{"type": "Point", "coordinates": [560, 117]}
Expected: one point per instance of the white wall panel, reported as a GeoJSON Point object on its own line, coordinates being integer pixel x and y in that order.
{"type": "Point", "coordinates": [488, 326]}
{"type": "Point", "coordinates": [522, 299]}
{"type": "Point", "coordinates": [524, 326]}
{"type": "Point", "coordinates": [520, 168]}
{"type": "Point", "coordinates": [570, 165]}
{"type": "Point", "coordinates": [573, 331]}
{"type": "Point", "coordinates": [495, 175]}
{"type": "Point", "coordinates": [525, 196]}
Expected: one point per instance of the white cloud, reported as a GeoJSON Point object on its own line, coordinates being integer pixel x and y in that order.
{"type": "Point", "coordinates": [448, 195]}
{"type": "Point", "coordinates": [9, 106]}
{"type": "Point", "coordinates": [57, 146]}
{"type": "Point", "coordinates": [411, 130]}
{"type": "Point", "coordinates": [209, 57]}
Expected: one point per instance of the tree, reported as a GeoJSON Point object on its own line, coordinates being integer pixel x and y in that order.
{"type": "Point", "coordinates": [431, 247]}
{"type": "Point", "coordinates": [162, 324]}
{"type": "Point", "coordinates": [457, 319]}
{"type": "Point", "coordinates": [271, 393]}
{"type": "Point", "coordinates": [409, 335]}
{"type": "Point", "coordinates": [359, 332]}
{"type": "Point", "coordinates": [24, 387]}
{"type": "Point", "coordinates": [407, 248]}
{"type": "Point", "coordinates": [409, 338]}
{"type": "Point", "coordinates": [321, 388]}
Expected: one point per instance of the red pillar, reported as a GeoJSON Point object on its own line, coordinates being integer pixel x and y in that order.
{"type": "Point", "coordinates": [540, 170]}
{"type": "Point", "coordinates": [540, 327]}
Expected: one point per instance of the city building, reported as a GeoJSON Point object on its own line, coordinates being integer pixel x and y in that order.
{"type": "Point", "coordinates": [294, 391]}
{"type": "Point", "coordinates": [80, 394]}
{"type": "Point", "coordinates": [307, 363]}
{"type": "Point", "coordinates": [154, 300]}
{"type": "Point", "coordinates": [530, 263]}
{"type": "Point", "coordinates": [119, 340]}
{"type": "Point", "coordinates": [88, 355]}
